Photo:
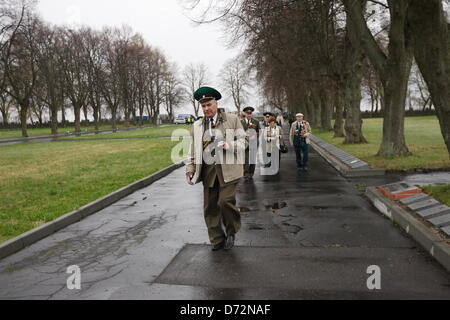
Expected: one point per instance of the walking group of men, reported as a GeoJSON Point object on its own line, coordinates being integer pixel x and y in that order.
{"type": "Point", "coordinates": [216, 160]}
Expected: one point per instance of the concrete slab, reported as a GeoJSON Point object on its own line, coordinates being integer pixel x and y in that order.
{"type": "Point", "coordinates": [446, 230]}
{"type": "Point", "coordinates": [413, 199]}
{"type": "Point", "coordinates": [346, 164]}
{"type": "Point", "coordinates": [442, 221]}
{"type": "Point", "coordinates": [423, 204]}
{"type": "Point", "coordinates": [303, 269]}
{"type": "Point", "coordinates": [434, 212]}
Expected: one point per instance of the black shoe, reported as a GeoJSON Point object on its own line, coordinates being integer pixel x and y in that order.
{"type": "Point", "coordinates": [229, 244]}
{"type": "Point", "coordinates": [219, 246]}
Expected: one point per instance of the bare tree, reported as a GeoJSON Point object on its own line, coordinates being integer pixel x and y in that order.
{"type": "Point", "coordinates": [173, 91]}
{"type": "Point", "coordinates": [76, 60]}
{"type": "Point", "coordinates": [430, 32]}
{"type": "Point", "coordinates": [393, 68]}
{"type": "Point", "coordinates": [6, 104]}
{"type": "Point", "coordinates": [158, 70]}
{"type": "Point", "coordinates": [236, 80]}
{"type": "Point", "coordinates": [111, 89]}
{"type": "Point", "coordinates": [95, 72]}
{"type": "Point", "coordinates": [49, 91]}
{"type": "Point", "coordinates": [194, 77]}
{"type": "Point", "coordinates": [21, 67]}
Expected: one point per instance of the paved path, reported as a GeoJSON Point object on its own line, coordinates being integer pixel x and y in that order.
{"type": "Point", "coordinates": [304, 236]}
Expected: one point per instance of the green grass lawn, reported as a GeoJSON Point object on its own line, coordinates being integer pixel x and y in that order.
{"type": "Point", "coordinates": [423, 137]}
{"type": "Point", "coordinates": [440, 193]}
{"type": "Point", "coordinates": [143, 133]}
{"type": "Point", "coordinates": [43, 181]}
{"type": "Point", "coordinates": [17, 133]}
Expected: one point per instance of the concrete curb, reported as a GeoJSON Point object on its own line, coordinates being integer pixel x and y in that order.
{"type": "Point", "coordinates": [430, 240]}
{"type": "Point", "coordinates": [342, 161]}
{"type": "Point", "coordinates": [14, 245]}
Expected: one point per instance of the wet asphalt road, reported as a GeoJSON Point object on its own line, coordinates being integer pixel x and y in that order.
{"type": "Point", "coordinates": [304, 236]}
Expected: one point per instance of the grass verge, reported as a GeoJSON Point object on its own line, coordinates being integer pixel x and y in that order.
{"type": "Point", "coordinates": [423, 137]}
{"type": "Point", "coordinates": [143, 133]}
{"type": "Point", "coordinates": [17, 133]}
{"type": "Point", "coordinates": [43, 181]}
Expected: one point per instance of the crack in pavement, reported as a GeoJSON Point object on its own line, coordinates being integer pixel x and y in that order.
{"type": "Point", "coordinates": [85, 250]}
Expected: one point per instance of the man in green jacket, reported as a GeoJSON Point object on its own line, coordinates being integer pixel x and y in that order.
{"type": "Point", "coordinates": [253, 129]}
{"type": "Point", "coordinates": [216, 158]}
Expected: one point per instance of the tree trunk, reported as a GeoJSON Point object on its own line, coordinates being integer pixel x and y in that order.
{"type": "Point", "coordinates": [431, 43]}
{"type": "Point", "coordinates": [23, 119]}
{"type": "Point", "coordinates": [372, 101]}
{"type": "Point", "coordinates": [63, 115]}
{"type": "Point", "coordinates": [353, 120]}
{"type": "Point", "coordinates": [5, 118]}
{"type": "Point", "coordinates": [394, 69]}
{"type": "Point", "coordinates": [134, 115]}
{"type": "Point", "coordinates": [114, 118]}
{"type": "Point", "coordinates": [77, 112]}
{"type": "Point", "coordinates": [326, 110]}
{"type": "Point", "coordinates": [339, 123]}
{"type": "Point", "coordinates": [40, 117]}
{"type": "Point", "coordinates": [352, 93]}
{"type": "Point", "coordinates": [85, 112]}
{"type": "Point", "coordinates": [96, 118]}
{"type": "Point", "coordinates": [54, 119]}
{"type": "Point", "coordinates": [127, 118]}
{"type": "Point", "coordinates": [395, 87]}
{"type": "Point", "coordinates": [317, 109]}
{"type": "Point", "coordinates": [309, 114]}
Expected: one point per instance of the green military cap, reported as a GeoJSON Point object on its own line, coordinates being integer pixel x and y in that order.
{"type": "Point", "coordinates": [249, 109]}
{"type": "Point", "coordinates": [206, 94]}
{"type": "Point", "coordinates": [269, 114]}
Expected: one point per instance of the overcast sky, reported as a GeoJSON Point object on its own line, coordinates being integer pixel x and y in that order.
{"type": "Point", "coordinates": [163, 23]}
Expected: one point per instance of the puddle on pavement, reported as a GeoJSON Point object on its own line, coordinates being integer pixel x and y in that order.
{"type": "Point", "coordinates": [276, 206]}
{"type": "Point", "coordinates": [292, 228]}
{"type": "Point", "coordinates": [255, 227]}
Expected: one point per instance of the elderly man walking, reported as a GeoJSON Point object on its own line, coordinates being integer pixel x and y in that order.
{"type": "Point", "coordinates": [253, 128]}
{"type": "Point", "coordinates": [216, 158]}
{"type": "Point", "coordinates": [300, 139]}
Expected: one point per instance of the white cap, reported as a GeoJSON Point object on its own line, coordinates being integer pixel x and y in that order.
{"type": "Point", "coordinates": [300, 115]}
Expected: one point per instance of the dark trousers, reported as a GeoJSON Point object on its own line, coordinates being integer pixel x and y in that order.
{"type": "Point", "coordinates": [220, 208]}
{"type": "Point", "coordinates": [249, 169]}
{"type": "Point", "coordinates": [302, 153]}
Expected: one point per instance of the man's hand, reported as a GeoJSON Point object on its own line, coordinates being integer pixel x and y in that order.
{"type": "Point", "coordinates": [189, 179]}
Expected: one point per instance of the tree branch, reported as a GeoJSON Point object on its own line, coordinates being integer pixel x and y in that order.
{"type": "Point", "coordinates": [355, 20]}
